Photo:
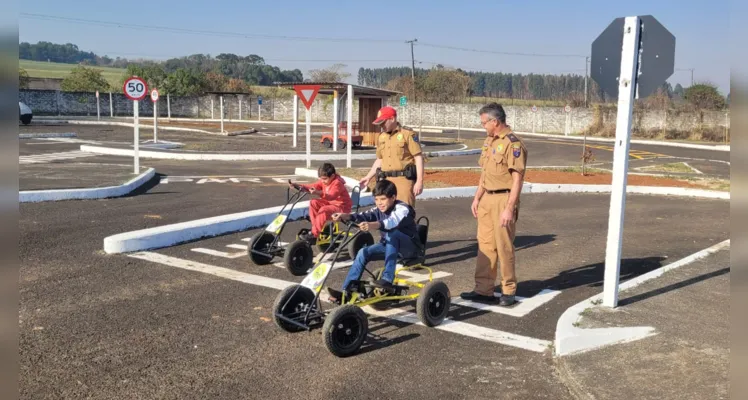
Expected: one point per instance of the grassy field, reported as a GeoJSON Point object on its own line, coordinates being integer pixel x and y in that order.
{"type": "Point", "coordinates": [41, 69]}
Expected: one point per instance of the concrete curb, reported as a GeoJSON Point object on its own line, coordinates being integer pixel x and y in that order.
{"type": "Point", "coordinates": [570, 339]}
{"type": "Point", "coordinates": [171, 235]}
{"type": "Point", "coordinates": [129, 125]}
{"type": "Point", "coordinates": [251, 157]}
{"type": "Point", "coordinates": [46, 135]}
{"type": "Point", "coordinates": [33, 196]}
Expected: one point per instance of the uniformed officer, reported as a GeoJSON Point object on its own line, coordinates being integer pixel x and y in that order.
{"type": "Point", "coordinates": [399, 157]}
{"type": "Point", "coordinates": [496, 206]}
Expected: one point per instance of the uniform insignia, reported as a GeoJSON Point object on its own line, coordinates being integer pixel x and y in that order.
{"type": "Point", "coordinates": [512, 138]}
{"type": "Point", "coordinates": [400, 137]}
{"type": "Point", "coordinates": [516, 151]}
{"type": "Point", "coordinates": [499, 148]}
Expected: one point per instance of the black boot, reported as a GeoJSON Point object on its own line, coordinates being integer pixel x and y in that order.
{"type": "Point", "coordinates": [473, 296]}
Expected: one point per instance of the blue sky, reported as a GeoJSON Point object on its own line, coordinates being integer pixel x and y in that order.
{"type": "Point", "coordinates": [542, 27]}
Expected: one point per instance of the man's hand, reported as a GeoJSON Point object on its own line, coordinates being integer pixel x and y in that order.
{"type": "Point", "coordinates": [506, 217]}
{"type": "Point", "coordinates": [312, 190]}
{"type": "Point", "coordinates": [365, 181]}
{"type": "Point", "coordinates": [474, 208]}
{"type": "Point", "coordinates": [418, 188]}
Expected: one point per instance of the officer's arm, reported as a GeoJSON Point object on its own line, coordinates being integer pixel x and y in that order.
{"type": "Point", "coordinates": [373, 170]}
{"type": "Point", "coordinates": [419, 168]}
{"type": "Point", "coordinates": [516, 189]}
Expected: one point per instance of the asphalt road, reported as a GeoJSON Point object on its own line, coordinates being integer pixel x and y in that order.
{"type": "Point", "coordinates": [117, 326]}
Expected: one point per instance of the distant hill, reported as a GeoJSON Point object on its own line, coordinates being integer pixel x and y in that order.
{"type": "Point", "coordinates": [40, 69]}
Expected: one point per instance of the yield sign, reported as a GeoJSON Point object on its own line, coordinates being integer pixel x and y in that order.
{"type": "Point", "coordinates": [307, 93]}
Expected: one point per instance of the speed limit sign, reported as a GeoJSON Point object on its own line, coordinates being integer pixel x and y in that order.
{"type": "Point", "coordinates": [154, 95]}
{"type": "Point", "coordinates": [135, 88]}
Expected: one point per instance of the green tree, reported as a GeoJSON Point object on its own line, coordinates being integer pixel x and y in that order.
{"type": "Point", "coordinates": [184, 82]}
{"type": "Point", "coordinates": [23, 79]}
{"type": "Point", "coordinates": [334, 73]}
{"type": "Point", "coordinates": [705, 96]}
{"type": "Point", "coordinates": [84, 79]}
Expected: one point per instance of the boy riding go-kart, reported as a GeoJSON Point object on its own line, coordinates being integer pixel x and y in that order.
{"type": "Point", "coordinates": [298, 307]}
{"type": "Point", "coordinates": [330, 196]}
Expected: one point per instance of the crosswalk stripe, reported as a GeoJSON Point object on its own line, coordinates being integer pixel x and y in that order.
{"type": "Point", "coordinates": [50, 157]}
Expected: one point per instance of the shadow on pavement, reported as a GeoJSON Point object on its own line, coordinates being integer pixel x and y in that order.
{"type": "Point", "coordinates": [687, 282]}
{"type": "Point", "coordinates": [589, 275]}
{"type": "Point", "coordinates": [471, 250]}
{"type": "Point", "coordinates": [144, 188]}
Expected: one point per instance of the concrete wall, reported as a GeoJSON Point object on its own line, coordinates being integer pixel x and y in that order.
{"type": "Point", "coordinates": [521, 118]}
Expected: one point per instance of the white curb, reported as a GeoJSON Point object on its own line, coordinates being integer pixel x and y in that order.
{"type": "Point", "coordinates": [32, 196]}
{"type": "Point", "coordinates": [573, 340]}
{"type": "Point", "coordinates": [251, 157]}
{"type": "Point", "coordinates": [113, 123]}
{"type": "Point", "coordinates": [46, 135]}
{"type": "Point", "coordinates": [171, 235]}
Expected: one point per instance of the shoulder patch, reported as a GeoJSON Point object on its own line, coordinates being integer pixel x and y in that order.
{"type": "Point", "coordinates": [512, 138]}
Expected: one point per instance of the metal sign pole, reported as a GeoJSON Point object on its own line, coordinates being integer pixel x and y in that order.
{"type": "Point", "coordinates": [295, 119]}
{"type": "Point", "coordinates": [155, 122]}
{"type": "Point", "coordinates": [626, 91]}
{"type": "Point", "coordinates": [308, 137]}
{"type": "Point", "coordinates": [335, 122]}
{"type": "Point", "coordinates": [349, 126]}
{"type": "Point", "coordinates": [136, 160]}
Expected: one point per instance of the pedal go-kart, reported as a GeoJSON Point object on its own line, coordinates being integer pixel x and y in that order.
{"type": "Point", "coordinates": [298, 256]}
{"type": "Point", "coordinates": [298, 307]}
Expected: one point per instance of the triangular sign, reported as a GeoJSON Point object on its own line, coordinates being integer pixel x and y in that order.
{"type": "Point", "coordinates": [307, 93]}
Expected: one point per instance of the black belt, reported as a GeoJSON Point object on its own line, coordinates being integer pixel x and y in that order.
{"type": "Point", "coordinates": [393, 173]}
{"type": "Point", "coordinates": [498, 191]}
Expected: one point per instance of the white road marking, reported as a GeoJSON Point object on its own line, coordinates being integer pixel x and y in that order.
{"type": "Point", "coordinates": [49, 157]}
{"type": "Point", "coordinates": [219, 253]}
{"type": "Point", "coordinates": [238, 246]}
{"type": "Point", "coordinates": [696, 170]}
{"type": "Point", "coordinates": [461, 328]}
{"type": "Point", "coordinates": [416, 277]}
{"type": "Point", "coordinates": [200, 180]}
{"type": "Point", "coordinates": [525, 306]}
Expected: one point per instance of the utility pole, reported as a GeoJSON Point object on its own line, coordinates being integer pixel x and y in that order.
{"type": "Point", "coordinates": [413, 66]}
{"type": "Point", "coordinates": [691, 76]}
{"type": "Point", "coordinates": [586, 73]}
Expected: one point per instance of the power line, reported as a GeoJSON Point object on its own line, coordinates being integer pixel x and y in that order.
{"type": "Point", "coordinates": [506, 53]}
{"type": "Point", "coordinates": [82, 21]}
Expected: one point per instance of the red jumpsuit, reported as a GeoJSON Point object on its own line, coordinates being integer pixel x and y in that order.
{"type": "Point", "coordinates": [334, 198]}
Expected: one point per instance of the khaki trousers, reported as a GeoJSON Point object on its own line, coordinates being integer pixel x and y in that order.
{"type": "Point", "coordinates": [404, 189]}
{"type": "Point", "coordinates": [495, 246]}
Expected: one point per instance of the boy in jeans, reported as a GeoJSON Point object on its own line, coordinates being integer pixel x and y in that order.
{"type": "Point", "coordinates": [331, 197]}
{"type": "Point", "coordinates": [399, 236]}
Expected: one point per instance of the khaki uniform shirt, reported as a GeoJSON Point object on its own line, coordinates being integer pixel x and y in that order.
{"type": "Point", "coordinates": [500, 155]}
{"type": "Point", "coordinates": [397, 149]}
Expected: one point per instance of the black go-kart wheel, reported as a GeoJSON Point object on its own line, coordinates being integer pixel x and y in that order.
{"type": "Point", "coordinates": [327, 143]}
{"type": "Point", "coordinates": [298, 257]}
{"type": "Point", "coordinates": [345, 330]}
{"type": "Point", "coordinates": [433, 303]}
{"type": "Point", "coordinates": [299, 303]}
{"type": "Point", "coordinates": [364, 239]}
{"type": "Point", "coordinates": [261, 241]}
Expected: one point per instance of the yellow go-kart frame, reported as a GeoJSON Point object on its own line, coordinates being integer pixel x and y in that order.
{"type": "Point", "coordinates": [298, 307]}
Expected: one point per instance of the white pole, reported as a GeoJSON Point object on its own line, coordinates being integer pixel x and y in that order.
{"type": "Point", "coordinates": [259, 111]}
{"type": "Point", "coordinates": [221, 114]}
{"type": "Point", "coordinates": [308, 138]}
{"type": "Point", "coordinates": [212, 116]}
{"type": "Point", "coordinates": [98, 107]}
{"type": "Point", "coordinates": [168, 106]}
{"type": "Point", "coordinates": [335, 120]}
{"type": "Point", "coordinates": [240, 108]}
{"type": "Point", "coordinates": [155, 122]}
{"type": "Point", "coordinates": [295, 119]}
{"type": "Point", "coordinates": [459, 125]}
{"type": "Point", "coordinates": [626, 91]}
{"type": "Point", "coordinates": [137, 137]}
{"type": "Point", "coordinates": [111, 106]}
{"type": "Point", "coordinates": [349, 125]}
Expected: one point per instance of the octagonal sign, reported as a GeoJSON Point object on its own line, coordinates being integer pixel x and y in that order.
{"type": "Point", "coordinates": [656, 57]}
{"type": "Point", "coordinates": [605, 59]}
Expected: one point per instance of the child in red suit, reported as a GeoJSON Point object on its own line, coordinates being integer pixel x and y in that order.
{"type": "Point", "coordinates": [332, 197]}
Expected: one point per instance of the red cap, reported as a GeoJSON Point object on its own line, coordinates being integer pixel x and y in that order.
{"type": "Point", "coordinates": [384, 113]}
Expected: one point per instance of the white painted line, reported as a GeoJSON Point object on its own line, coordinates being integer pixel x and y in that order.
{"type": "Point", "coordinates": [219, 253]}
{"type": "Point", "coordinates": [227, 273]}
{"type": "Point", "coordinates": [29, 196]}
{"type": "Point", "coordinates": [461, 328]}
{"type": "Point", "coordinates": [525, 306]}
{"type": "Point", "coordinates": [572, 340]}
{"type": "Point", "coordinates": [238, 246]}
{"type": "Point", "coordinates": [46, 135]}
{"type": "Point", "coordinates": [222, 156]}
{"type": "Point", "coordinates": [695, 170]}
{"type": "Point", "coordinates": [416, 277]}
